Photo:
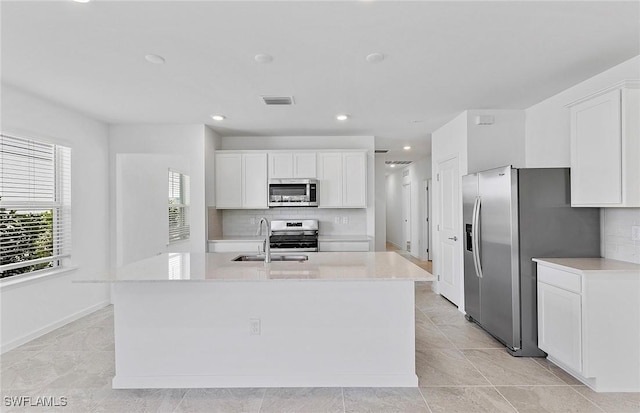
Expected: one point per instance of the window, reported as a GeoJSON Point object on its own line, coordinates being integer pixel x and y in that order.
{"type": "Point", "coordinates": [35, 205]}
{"type": "Point", "coordinates": [178, 207]}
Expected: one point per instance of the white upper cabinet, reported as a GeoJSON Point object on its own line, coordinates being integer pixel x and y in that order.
{"type": "Point", "coordinates": [241, 180]}
{"type": "Point", "coordinates": [330, 179]}
{"type": "Point", "coordinates": [254, 181]}
{"type": "Point", "coordinates": [342, 179]}
{"type": "Point", "coordinates": [304, 165]}
{"type": "Point", "coordinates": [292, 165]}
{"type": "Point", "coordinates": [354, 186]}
{"type": "Point", "coordinates": [605, 148]}
{"type": "Point", "coordinates": [228, 180]}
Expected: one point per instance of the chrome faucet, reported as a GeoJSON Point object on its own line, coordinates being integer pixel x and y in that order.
{"type": "Point", "coordinates": [267, 243]}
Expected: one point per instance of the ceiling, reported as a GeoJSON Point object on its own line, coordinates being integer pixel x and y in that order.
{"type": "Point", "coordinates": [440, 59]}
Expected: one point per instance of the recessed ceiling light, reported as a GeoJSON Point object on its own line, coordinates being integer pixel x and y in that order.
{"type": "Point", "coordinates": [154, 58]}
{"type": "Point", "coordinates": [82, 1]}
{"type": "Point", "coordinates": [375, 57]}
{"type": "Point", "coordinates": [218, 117]}
{"type": "Point", "coordinates": [392, 166]}
{"type": "Point", "coordinates": [263, 58]}
{"type": "Point", "coordinates": [406, 148]}
{"type": "Point", "coordinates": [342, 116]}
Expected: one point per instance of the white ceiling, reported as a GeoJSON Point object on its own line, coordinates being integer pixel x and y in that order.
{"type": "Point", "coordinates": [441, 58]}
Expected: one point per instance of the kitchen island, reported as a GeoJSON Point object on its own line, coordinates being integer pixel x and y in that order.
{"type": "Point", "coordinates": [202, 320]}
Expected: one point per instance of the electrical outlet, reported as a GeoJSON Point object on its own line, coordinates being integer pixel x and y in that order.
{"type": "Point", "coordinates": [345, 220]}
{"type": "Point", "coordinates": [336, 220]}
{"type": "Point", "coordinates": [635, 233]}
{"type": "Point", "coordinates": [252, 220]}
{"type": "Point", "coordinates": [254, 326]}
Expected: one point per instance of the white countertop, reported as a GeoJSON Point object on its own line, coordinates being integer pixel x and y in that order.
{"type": "Point", "coordinates": [327, 266]}
{"type": "Point", "coordinates": [581, 265]}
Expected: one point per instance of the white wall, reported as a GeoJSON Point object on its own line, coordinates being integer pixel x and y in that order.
{"type": "Point", "coordinates": [32, 308]}
{"type": "Point", "coordinates": [500, 144]}
{"type": "Point", "coordinates": [186, 141]}
{"type": "Point", "coordinates": [416, 173]}
{"type": "Point", "coordinates": [548, 145]}
{"type": "Point", "coordinates": [141, 205]}
{"type": "Point", "coordinates": [380, 204]}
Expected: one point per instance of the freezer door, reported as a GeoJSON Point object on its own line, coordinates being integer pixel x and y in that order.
{"type": "Point", "coordinates": [471, 279]}
{"type": "Point", "coordinates": [499, 286]}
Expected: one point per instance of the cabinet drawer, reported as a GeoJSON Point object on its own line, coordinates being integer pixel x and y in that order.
{"type": "Point", "coordinates": [341, 246]}
{"type": "Point", "coordinates": [561, 279]}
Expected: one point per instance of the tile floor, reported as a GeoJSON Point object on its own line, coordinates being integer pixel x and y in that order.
{"type": "Point", "coordinates": [460, 368]}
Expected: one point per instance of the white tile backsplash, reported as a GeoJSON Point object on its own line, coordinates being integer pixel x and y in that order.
{"type": "Point", "coordinates": [617, 234]}
{"type": "Point", "coordinates": [239, 221]}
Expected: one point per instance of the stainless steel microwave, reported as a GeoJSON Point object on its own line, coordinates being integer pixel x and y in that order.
{"type": "Point", "coordinates": [293, 193]}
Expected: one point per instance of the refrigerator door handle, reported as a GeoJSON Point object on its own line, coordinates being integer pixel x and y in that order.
{"type": "Point", "coordinates": [476, 243]}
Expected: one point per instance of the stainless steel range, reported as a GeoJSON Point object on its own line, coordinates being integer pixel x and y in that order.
{"type": "Point", "coordinates": [294, 235]}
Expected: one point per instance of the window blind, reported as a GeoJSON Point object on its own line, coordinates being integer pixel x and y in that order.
{"type": "Point", "coordinates": [179, 200]}
{"type": "Point", "coordinates": [35, 205]}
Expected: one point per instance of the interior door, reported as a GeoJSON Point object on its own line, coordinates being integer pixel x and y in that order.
{"type": "Point", "coordinates": [449, 232]}
{"type": "Point", "coordinates": [406, 217]}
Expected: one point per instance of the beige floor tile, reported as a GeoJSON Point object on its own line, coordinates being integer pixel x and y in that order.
{"type": "Point", "coordinates": [445, 315]}
{"type": "Point", "coordinates": [141, 401]}
{"type": "Point", "coordinates": [308, 400]}
{"type": "Point", "coordinates": [466, 400]}
{"type": "Point", "coordinates": [384, 400]}
{"type": "Point", "coordinates": [612, 402]}
{"type": "Point", "coordinates": [500, 368]}
{"type": "Point", "coordinates": [469, 336]}
{"type": "Point", "coordinates": [563, 375]}
{"type": "Point", "coordinates": [221, 400]}
{"type": "Point", "coordinates": [12, 357]}
{"type": "Point", "coordinates": [428, 335]}
{"type": "Point", "coordinates": [93, 369]}
{"type": "Point", "coordinates": [547, 399]}
{"type": "Point", "coordinates": [446, 367]}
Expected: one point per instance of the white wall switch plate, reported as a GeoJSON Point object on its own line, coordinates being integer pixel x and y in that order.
{"type": "Point", "coordinates": [254, 326]}
{"type": "Point", "coordinates": [336, 220]}
{"type": "Point", "coordinates": [252, 221]}
{"type": "Point", "coordinates": [635, 233]}
{"type": "Point", "coordinates": [345, 220]}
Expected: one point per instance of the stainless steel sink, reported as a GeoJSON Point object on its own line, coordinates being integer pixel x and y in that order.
{"type": "Point", "coordinates": [274, 257]}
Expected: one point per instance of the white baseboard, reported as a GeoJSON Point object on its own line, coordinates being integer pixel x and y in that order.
{"type": "Point", "coordinates": [47, 329]}
{"type": "Point", "coordinates": [192, 382]}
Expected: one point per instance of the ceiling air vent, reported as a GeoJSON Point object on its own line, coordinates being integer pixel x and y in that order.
{"type": "Point", "coordinates": [277, 100]}
{"type": "Point", "coordinates": [397, 162]}
{"type": "Point", "coordinates": [381, 150]}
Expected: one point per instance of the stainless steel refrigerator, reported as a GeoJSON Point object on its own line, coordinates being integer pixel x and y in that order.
{"type": "Point", "coordinates": [510, 216]}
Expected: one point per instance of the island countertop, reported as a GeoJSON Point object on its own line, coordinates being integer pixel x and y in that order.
{"type": "Point", "coordinates": [212, 267]}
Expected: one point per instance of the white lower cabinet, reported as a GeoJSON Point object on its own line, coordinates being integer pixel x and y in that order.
{"type": "Point", "coordinates": [589, 320]}
{"type": "Point", "coordinates": [246, 246]}
{"type": "Point", "coordinates": [560, 324]}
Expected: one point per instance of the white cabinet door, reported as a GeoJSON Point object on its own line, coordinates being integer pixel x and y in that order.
{"type": "Point", "coordinates": [254, 180]}
{"type": "Point", "coordinates": [330, 179]}
{"type": "Point", "coordinates": [596, 151]}
{"type": "Point", "coordinates": [560, 325]}
{"type": "Point", "coordinates": [354, 188]}
{"type": "Point", "coordinates": [281, 165]}
{"type": "Point", "coordinates": [304, 165]}
{"type": "Point", "coordinates": [228, 180]}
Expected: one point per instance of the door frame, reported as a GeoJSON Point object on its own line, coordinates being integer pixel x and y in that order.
{"type": "Point", "coordinates": [426, 249]}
